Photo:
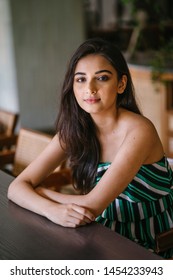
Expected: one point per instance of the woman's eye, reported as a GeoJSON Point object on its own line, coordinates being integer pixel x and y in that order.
{"type": "Point", "coordinates": [103, 78]}
{"type": "Point", "coordinates": [80, 79]}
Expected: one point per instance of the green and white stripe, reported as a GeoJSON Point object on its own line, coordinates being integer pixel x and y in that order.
{"type": "Point", "coordinates": [145, 207]}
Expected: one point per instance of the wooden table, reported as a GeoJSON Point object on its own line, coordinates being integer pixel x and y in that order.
{"type": "Point", "coordinates": [26, 235]}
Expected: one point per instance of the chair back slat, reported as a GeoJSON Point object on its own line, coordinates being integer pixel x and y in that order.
{"type": "Point", "coordinates": [30, 144]}
{"type": "Point", "coordinates": [8, 121]}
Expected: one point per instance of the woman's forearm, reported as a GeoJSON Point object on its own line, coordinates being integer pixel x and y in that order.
{"type": "Point", "coordinates": [80, 200]}
{"type": "Point", "coordinates": [60, 197]}
{"type": "Point", "coordinates": [68, 215]}
{"type": "Point", "coordinates": [25, 196]}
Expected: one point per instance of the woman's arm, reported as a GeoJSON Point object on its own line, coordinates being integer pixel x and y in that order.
{"type": "Point", "coordinates": [22, 190]}
{"type": "Point", "coordinates": [139, 147]}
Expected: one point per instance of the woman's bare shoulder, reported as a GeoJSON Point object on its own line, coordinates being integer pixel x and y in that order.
{"type": "Point", "coordinates": [143, 130]}
{"type": "Point", "coordinates": [137, 122]}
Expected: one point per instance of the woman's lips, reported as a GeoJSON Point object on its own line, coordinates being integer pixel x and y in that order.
{"type": "Point", "coordinates": [92, 100]}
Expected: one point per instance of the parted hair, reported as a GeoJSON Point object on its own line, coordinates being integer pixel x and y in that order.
{"type": "Point", "coordinates": [75, 127]}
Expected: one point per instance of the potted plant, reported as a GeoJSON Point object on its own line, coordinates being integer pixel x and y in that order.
{"type": "Point", "coordinates": [152, 31]}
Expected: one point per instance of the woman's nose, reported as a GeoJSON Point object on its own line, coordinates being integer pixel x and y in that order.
{"type": "Point", "coordinates": [92, 89]}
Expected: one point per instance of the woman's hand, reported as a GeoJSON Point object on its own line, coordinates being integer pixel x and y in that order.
{"type": "Point", "coordinates": [67, 214]}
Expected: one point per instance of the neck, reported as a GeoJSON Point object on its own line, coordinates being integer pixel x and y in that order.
{"type": "Point", "coordinates": [106, 123]}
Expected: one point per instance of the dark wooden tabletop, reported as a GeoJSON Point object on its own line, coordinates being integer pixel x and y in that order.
{"type": "Point", "coordinates": [26, 235]}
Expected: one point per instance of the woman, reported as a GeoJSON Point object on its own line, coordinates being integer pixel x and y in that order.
{"type": "Point", "coordinates": [116, 157]}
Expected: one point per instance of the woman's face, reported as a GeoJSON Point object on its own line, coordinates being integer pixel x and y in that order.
{"type": "Point", "coordinates": [96, 84]}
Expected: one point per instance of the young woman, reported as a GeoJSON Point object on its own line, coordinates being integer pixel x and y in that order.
{"type": "Point", "coordinates": [115, 154]}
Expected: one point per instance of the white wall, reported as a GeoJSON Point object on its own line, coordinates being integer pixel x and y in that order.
{"type": "Point", "coordinates": [8, 85]}
{"type": "Point", "coordinates": [45, 33]}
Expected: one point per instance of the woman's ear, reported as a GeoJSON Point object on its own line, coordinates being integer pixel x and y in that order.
{"type": "Point", "coordinates": [122, 84]}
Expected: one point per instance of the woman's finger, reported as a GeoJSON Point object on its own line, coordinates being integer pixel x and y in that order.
{"type": "Point", "coordinates": [84, 212]}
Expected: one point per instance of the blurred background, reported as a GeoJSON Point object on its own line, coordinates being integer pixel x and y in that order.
{"type": "Point", "coordinates": [37, 38]}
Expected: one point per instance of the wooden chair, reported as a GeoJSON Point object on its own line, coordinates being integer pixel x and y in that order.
{"type": "Point", "coordinates": [30, 144]}
{"type": "Point", "coordinates": [8, 139]}
{"type": "Point", "coordinates": [164, 241]}
{"type": "Point", "coordinates": [8, 121]}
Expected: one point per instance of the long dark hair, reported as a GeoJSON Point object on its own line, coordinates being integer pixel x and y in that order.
{"type": "Point", "coordinates": [75, 127]}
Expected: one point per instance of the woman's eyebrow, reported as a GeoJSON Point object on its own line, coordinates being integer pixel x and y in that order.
{"type": "Point", "coordinates": [101, 71]}
{"type": "Point", "coordinates": [79, 73]}
{"type": "Point", "coordinates": [97, 72]}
